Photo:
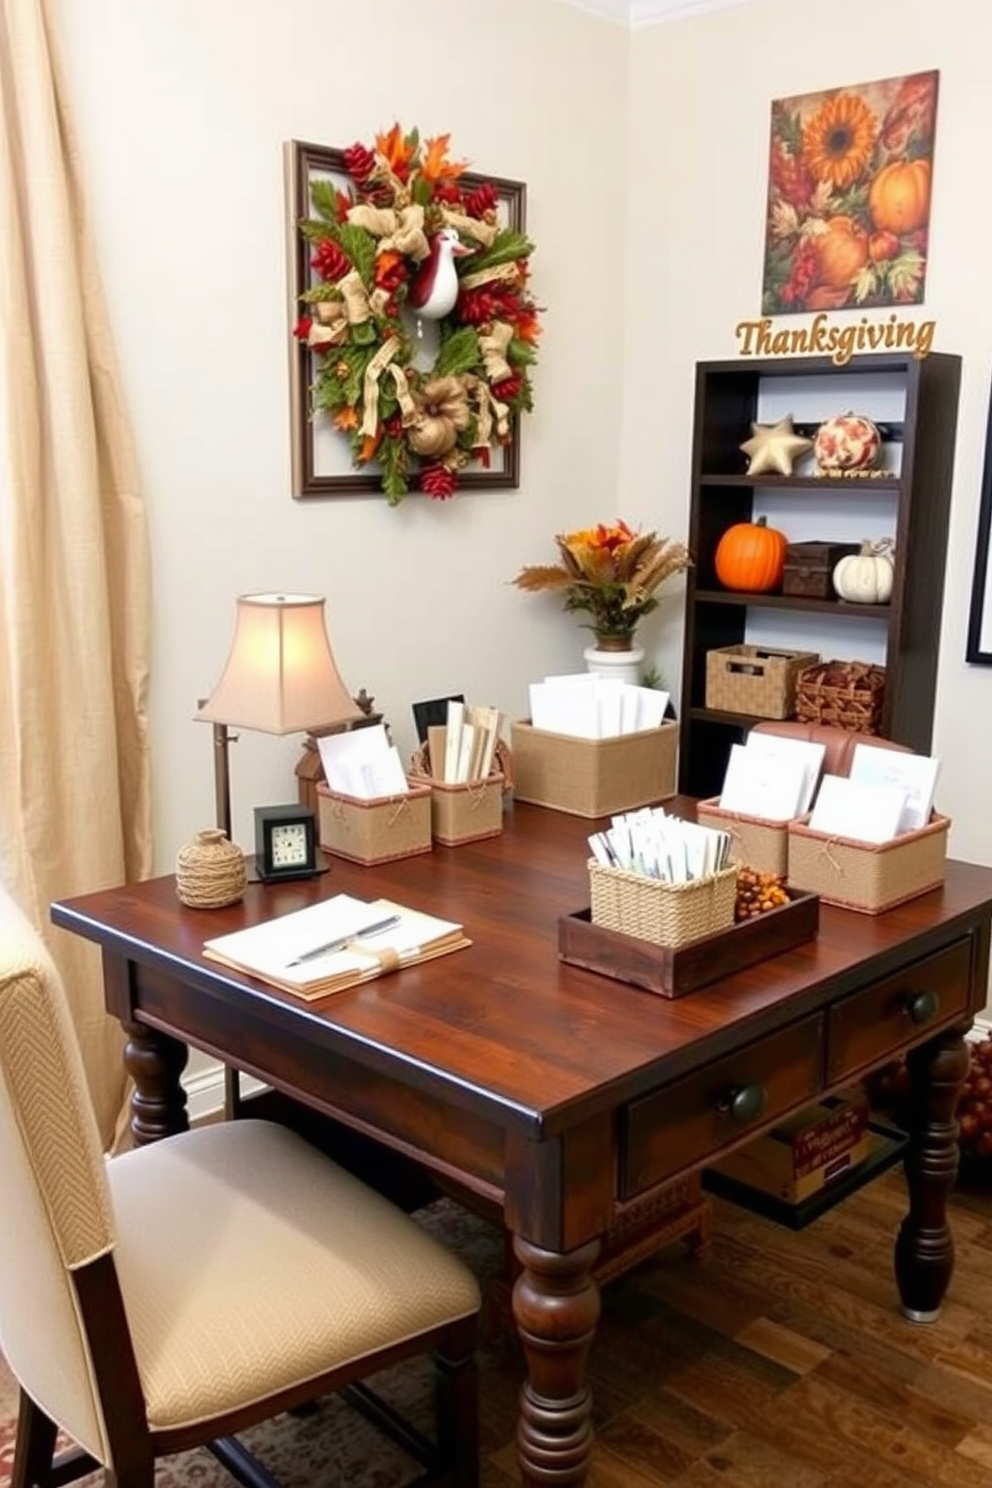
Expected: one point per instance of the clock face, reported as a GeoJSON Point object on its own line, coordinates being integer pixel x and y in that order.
{"type": "Point", "coordinates": [289, 847]}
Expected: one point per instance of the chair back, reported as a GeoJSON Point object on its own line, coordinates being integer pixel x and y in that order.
{"type": "Point", "coordinates": [839, 743]}
{"type": "Point", "coordinates": [57, 1208]}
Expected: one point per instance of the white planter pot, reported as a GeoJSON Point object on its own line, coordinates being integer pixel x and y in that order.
{"type": "Point", "coordinates": [625, 666]}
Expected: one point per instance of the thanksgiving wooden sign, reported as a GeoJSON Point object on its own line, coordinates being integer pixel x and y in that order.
{"type": "Point", "coordinates": [839, 342]}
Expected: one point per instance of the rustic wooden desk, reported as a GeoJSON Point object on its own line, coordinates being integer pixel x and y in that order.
{"type": "Point", "coordinates": [556, 1095]}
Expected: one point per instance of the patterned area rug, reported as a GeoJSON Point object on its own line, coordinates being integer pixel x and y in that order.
{"type": "Point", "coordinates": [333, 1446]}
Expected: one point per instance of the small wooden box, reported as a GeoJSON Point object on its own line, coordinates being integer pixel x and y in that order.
{"type": "Point", "coordinates": [593, 777]}
{"type": "Point", "coordinates": [866, 876]}
{"type": "Point", "coordinates": [809, 567]}
{"type": "Point", "coordinates": [673, 972]}
{"type": "Point", "coordinates": [375, 831]}
{"type": "Point", "coordinates": [754, 841]}
{"type": "Point", "coordinates": [802, 1155]}
{"type": "Point", "coordinates": [754, 680]}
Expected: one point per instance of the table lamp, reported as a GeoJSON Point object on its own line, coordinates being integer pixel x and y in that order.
{"type": "Point", "coordinates": [280, 678]}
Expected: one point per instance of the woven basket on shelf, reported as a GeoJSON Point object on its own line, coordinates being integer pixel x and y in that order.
{"type": "Point", "coordinates": [664, 913]}
{"type": "Point", "coordinates": [844, 694]}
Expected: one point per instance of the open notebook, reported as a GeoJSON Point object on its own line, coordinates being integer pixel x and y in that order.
{"type": "Point", "coordinates": [336, 944]}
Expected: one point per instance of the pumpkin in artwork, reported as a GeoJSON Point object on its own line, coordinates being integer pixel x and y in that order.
{"type": "Point", "coordinates": [899, 199]}
{"type": "Point", "coordinates": [842, 252]}
{"type": "Point", "coordinates": [750, 556]}
{"type": "Point", "coordinates": [866, 577]}
{"type": "Point", "coordinates": [848, 442]}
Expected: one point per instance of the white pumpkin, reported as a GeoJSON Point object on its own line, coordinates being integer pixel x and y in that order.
{"type": "Point", "coordinates": [866, 577]}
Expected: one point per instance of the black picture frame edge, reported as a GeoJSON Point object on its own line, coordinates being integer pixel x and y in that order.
{"type": "Point", "coordinates": [980, 578]}
{"type": "Point", "coordinates": [301, 158]}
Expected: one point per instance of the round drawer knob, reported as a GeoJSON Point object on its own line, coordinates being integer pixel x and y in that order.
{"type": "Point", "coordinates": [744, 1103]}
{"type": "Point", "coordinates": [922, 1006]}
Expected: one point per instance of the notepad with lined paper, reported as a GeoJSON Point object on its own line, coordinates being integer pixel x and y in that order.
{"type": "Point", "coordinates": [338, 943]}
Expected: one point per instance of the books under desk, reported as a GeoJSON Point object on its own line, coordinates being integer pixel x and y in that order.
{"type": "Point", "coordinates": [338, 943]}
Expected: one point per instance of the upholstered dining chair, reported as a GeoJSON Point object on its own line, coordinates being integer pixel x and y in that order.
{"type": "Point", "coordinates": [174, 1295]}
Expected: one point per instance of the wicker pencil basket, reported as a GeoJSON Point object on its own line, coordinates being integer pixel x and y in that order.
{"type": "Point", "coordinates": [666, 914]}
{"type": "Point", "coordinates": [844, 694]}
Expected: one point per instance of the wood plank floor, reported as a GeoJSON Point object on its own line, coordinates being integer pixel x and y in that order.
{"type": "Point", "coordinates": [780, 1360]}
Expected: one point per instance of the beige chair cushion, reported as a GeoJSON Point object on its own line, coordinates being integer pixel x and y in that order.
{"type": "Point", "coordinates": [57, 1213]}
{"type": "Point", "coordinates": [250, 1263]}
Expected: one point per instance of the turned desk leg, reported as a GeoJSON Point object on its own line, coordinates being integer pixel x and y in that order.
{"type": "Point", "coordinates": [924, 1256]}
{"type": "Point", "coordinates": [556, 1307]}
{"type": "Point", "coordinates": [155, 1063]}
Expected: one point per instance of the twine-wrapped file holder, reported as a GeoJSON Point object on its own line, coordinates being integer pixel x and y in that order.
{"type": "Point", "coordinates": [668, 914]}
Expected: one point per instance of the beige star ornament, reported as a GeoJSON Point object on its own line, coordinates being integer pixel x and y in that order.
{"type": "Point", "coordinates": [774, 447]}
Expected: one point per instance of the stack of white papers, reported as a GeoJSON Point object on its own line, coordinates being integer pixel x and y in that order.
{"type": "Point", "coordinates": [887, 793]}
{"type": "Point", "coordinates": [771, 777]}
{"type": "Point", "coordinates": [914, 774]}
{"type": "Point", "coordinates": [656, 845]}
{"type": "Point", "coordinates": [586, 706]}
{"type": "Point", "coordinates": [362, 763]}
{"type": "Point", "coordinates": [337, 943]}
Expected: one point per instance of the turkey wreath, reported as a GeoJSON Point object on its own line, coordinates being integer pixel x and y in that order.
{"type": "Point", "coordinates": [409, 241]}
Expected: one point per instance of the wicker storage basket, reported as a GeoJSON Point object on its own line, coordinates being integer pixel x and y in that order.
{"type": "Point", "coordinates": [754, 680]}
{"type": "Point", "coordinates": [755, 842]}
{"type": "Point", "coordinates": [844, 694]}
{"type": "Point", "coordinates": [664, 913]}
{"type": "Point", "coordinates": [867, 876]}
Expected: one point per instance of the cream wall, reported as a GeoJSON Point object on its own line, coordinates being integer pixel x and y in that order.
{"type": "Point", "coordinates": [700, 94]}
{"type": "Point", "coordinates": [182, 107]}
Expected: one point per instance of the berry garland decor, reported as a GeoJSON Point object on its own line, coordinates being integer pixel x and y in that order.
{"type": "Point", "coordinates": [384, 250]}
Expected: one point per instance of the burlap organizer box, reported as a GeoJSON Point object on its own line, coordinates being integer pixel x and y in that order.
{"type": "Point", "coordinates": [664, 913]}
{"type": "Point", "coordinates": [754, 841]}
{"type": "Point", "coordinates": [375, 831]}
{"type": "Point", "coordinates": [593, 777]}
{"type": "Point", "coordinates": [461, 813]}
{"type": "Point", "coordinates": [864, 876]}
{"type": "Point", "coordinates": [762, 844]}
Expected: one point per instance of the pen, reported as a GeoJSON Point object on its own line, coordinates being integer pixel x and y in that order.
{"type": "Point", "coordinates": [343, 940]}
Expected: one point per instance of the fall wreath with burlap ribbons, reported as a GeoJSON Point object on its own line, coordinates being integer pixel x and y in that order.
{"type": "Point", "coordinates": [383, 251]}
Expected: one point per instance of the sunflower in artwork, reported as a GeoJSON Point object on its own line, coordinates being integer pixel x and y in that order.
{"type": "Point", "coordinates": [838, 140]}
{"type": "Point", "coordinates": [849, 188]}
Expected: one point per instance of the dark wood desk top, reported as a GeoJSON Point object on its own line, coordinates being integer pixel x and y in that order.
{"type": "Point", "coordinates": [504, 1029]}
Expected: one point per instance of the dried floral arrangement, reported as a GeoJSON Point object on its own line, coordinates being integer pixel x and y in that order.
{"type": "Point", "coordinates": [611, 574]}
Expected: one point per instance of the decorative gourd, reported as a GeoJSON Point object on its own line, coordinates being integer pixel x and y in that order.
{"type": "Point", "coordinates": [750, 556]}
{"type": "Point", "coordinates": [866, 577]}
{"type": "Point", "coordinates": [899, 198]}
{"type": "Point", "coordinates": [842, 252]}
{"type": "Point", "coordinates": [848, 442]}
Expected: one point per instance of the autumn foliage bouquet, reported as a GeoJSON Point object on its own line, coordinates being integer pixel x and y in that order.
{"type": "Point", "coordinates": [609, 573]}
{"type": "Point", "coordinates": [377, 241]}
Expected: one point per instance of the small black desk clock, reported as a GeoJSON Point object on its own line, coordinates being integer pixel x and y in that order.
{"type": "Point", "coordinates": [285, 843]}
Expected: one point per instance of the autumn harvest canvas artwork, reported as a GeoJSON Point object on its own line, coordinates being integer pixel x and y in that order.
{"type": "Point", "coordinates": [849, 183]}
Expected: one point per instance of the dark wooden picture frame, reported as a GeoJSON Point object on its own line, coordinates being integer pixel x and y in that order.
{"type": "Point", "coordinates": [979, 646]}
{"type": "Point", "coordinates": [303, 162]}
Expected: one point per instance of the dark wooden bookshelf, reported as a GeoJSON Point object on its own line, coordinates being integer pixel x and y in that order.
{"type": "Point", "coordinates": [726, 403]}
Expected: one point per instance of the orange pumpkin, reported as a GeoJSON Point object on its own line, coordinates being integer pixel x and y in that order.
{"type": "Point", "coordinates": [899, 199]}
{"type": "Point", "coordinates": [842, 252]}
{"type": "Point", "coordinates": [750, 556]}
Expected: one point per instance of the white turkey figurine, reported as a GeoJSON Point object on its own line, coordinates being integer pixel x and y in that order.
{"type": "Point", "coordinates": [434, 287]}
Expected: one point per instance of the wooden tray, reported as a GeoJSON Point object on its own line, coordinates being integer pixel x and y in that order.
{"type": "Point", "coordinates": [674, 972]}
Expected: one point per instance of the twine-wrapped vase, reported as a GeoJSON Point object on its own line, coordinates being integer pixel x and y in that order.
{"type": "Point", "coordinates": [210, 871]}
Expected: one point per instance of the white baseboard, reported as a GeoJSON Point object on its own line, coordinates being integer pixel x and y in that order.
{"type": "Point", "coordinates": [205, 1087]}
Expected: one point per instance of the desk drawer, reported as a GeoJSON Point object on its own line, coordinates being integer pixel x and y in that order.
{"type": "Point", "coordinates": [889, 1015]}
{"type": "Point", "coordinates": [695, 1118]}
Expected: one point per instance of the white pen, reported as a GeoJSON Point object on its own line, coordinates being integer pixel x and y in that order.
{"type": "Point", "coordinates": [343, 940]}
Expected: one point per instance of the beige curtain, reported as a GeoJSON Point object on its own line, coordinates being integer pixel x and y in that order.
{"type": "Point", "coordinates": [74, 572]}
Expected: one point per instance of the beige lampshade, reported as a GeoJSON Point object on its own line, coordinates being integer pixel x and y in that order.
{"type": "Point", "coordinates": [280, 677]}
